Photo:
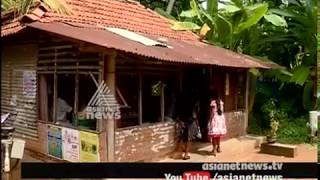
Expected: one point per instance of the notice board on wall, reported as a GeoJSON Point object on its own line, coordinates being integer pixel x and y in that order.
{"type": "Point", "coordinates": [89, 147]}
{"type": "Point", "coordinates": [70, 145]}
{"type": "Point", "coordinates": [29, 83]}
{"type": "Point", "coordinates": [54, 141]}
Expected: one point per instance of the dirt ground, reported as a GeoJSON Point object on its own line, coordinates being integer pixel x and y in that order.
{"type": "Point", "coordinates": [245, 149]}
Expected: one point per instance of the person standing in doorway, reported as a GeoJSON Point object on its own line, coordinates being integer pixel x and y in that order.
{"type": "Point", "coordinates": [189, 110]}
{"type": "Point", "coordinates": [217, 125]}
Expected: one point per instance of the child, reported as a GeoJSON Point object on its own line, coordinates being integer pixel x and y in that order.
{"type": "Point", "coordinates": [189, 125]}
{"type": "Point", "coordinates": [216, 126]}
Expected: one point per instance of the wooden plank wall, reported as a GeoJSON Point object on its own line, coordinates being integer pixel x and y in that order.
{"type": "Point", "coordinates": [17, 59]}
{"type": "Point", "coordinates": [67, 57]}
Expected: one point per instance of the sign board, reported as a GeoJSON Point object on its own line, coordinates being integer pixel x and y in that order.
{"type": "Point", "coordinates": [89, 147]}
{"type": "Point", "coordinates": [29, 83]}
{"type": "Point", "coordinates": [70, 145]}
{"type": "Point", "coordinates": [54, 142]}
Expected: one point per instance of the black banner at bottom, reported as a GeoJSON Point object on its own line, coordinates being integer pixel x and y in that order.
{"type": "Point", "coordinates": [169, 170]}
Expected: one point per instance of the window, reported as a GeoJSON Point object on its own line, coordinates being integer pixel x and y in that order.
{"type": "Point", "coordinates": [87, 88]}
{"type": "Point", "coordinates": [151, 98]}
{"type": "Point", "coordinates": [170, 98]}
{"type": "Point", "coordinates": [65, 102]}
{"type": "Point", "coordinates": [67, 82]}
{"type": "Point", "coordinates": [153, 94]}
{"type": "Point", "coordinates": [128, 97]}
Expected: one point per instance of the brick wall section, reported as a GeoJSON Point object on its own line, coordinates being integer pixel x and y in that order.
{"type": "Point", "coordinates": [235, 124]}
{"type": "Point", "coordinates": [144, 142]}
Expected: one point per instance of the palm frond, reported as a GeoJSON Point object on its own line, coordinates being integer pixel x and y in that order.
{"type": "Point", "coordinates": [60, 6]}
{"type": "Point", "coordinates": [22, 7]}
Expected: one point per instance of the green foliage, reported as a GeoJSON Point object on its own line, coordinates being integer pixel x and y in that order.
{"type": "Point", "coordinates": [255, 126]}
{"type": "Point", "coordinates": [273, 115]}
{"type": "Point", "coordinates": [178, 26]}
{"type": "Point", "coordinates": [164, 13]}
{"type": "Point", "coordinates": [276, 20]}
{"type": "Point", "coordinates": [21, 7]}
{"type": "Point", "coordinates": [179, 6]}
{"type": "Point", "coordinates": [307, 95]}
{"type": "Point", "coordinates": [300, 75]}
{"type": "Point", "coordinates": [255, 13]}
{"type": "Point", "coordinates": [294, 131]}
{"type": "Point", "coordinates": [291, 130]}
{"type": "Point", "coordinates": [284, 33]}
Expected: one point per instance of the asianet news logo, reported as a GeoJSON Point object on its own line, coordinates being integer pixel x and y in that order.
{"type": "Point", "coordinates": [103, 104]}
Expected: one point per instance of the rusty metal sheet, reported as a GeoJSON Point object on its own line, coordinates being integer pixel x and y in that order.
{"type": "Point", "coordinates": [181, 51]}
{"type": "Point", "coordinates": [15, 97]}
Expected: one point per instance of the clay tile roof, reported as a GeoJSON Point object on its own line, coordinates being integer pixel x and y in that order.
{"type": "Point", "coordinates": [11, 27]}
{"type": "Point", "coordinates": [125, 14]}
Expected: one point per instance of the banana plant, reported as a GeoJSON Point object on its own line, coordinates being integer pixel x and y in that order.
{"type": "Point", "coordinates": [236, 26]}
{"type": "Point", "coordinates": [302, 21]}
{"type": "Point", "coordinates": [226, 25]}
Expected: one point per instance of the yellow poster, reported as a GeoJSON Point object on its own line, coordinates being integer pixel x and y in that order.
{"type": "Point", "coordinates": [89, 147]}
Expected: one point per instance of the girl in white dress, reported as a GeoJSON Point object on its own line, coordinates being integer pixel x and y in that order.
{"type": "Point", "coordinates": [217, 125]}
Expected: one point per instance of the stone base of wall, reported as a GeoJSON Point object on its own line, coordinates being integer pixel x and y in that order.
{"type": "Point", "coordinates": [235, 122]}
{"type": "Point", "coordinates": [144, 142]}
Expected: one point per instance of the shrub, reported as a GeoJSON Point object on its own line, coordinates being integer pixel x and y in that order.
{"type": "Point", "coordinates": [294, 130]}
{"type": "Point", "coordinates": [291, 130]}
{"type": "Point", "coordinates": [255, 126]}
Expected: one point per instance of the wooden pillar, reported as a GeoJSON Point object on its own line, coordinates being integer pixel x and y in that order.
{"type": "Point", "coordinates": [76, 96]}
{"type": "Point", "coordinates": [43, 99]}
{"type": "Point", "coordinates": [109, 77]}
{"type": "Point", "coordinates": [181, 80]}
{"type": "Point", "coordinates": [246, 101]}
{"type": "Point", "coordinates": [162, 102]}
{"type": "Point", "coordinates": [210, 78]}
{"type": "Point", "coordinates": [55, 89]}
{"type": "Point", "coordinates": [140, 97]}
{"type": "Point", "coordinates": [101, 124]}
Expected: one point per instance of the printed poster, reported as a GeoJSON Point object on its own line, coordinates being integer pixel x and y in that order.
{"type": "Point", "coordinates": [54, 142]}
{"type": "Point", "coordinates": [29, 83]}
{"type": "Point", "coordinates": [70, 145]}
{"type": "Point", "coordinates": [89, 147]}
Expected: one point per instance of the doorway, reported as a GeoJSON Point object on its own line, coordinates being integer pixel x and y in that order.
{"type": "Point", "coordinates": [197, 79]}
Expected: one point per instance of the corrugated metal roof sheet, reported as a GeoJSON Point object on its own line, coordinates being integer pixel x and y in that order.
{"type": "Point", "coordinates": [181, 51]}
{"type": "Point", "coordinates": [135, 37]}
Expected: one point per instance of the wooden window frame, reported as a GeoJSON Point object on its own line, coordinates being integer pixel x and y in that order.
{"type": "Point", "coordinates": [141, 74]}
